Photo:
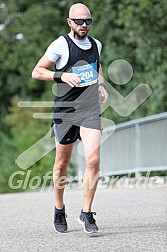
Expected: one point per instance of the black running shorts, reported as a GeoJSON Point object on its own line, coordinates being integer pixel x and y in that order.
{"type": "Point", "coordinates": [67, 132]}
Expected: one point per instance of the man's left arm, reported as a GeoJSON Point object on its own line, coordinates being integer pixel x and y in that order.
{"type": "Point", "coordinates": [102, 88]}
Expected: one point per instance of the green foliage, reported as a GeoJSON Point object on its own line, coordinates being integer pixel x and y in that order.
{"type": "Point", "coordinates": [24, 38]}
{"type": "Point", "coordinates": [131, 30]}
{"type": "Point", "coordinates": [135, 31]}
{"type": "Point", "coordinates": [24, 132]}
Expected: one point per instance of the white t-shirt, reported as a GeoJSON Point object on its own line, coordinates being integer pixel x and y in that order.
{"type": "Point", "coordinates": [58, 51]}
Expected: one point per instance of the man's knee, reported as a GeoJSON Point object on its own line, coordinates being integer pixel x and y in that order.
{"type": "Point", "coordinates": [93, 162]}
{"type": "Point", "coordinates": [61, 164]}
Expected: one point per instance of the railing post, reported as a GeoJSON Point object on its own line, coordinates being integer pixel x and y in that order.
{"type": "Point", "coordinates": [137, 150]}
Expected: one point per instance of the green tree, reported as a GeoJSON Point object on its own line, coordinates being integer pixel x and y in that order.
{"type": "Point", "coordinates": [135, 31]}
{"type": "Point", "coordinates": [27, 29]}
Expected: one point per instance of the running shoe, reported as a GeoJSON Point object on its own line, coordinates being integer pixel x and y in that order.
{"type": "Point", "coordinates": [88, 222]}
{"type": "Point", "coordinates": [60, 223]}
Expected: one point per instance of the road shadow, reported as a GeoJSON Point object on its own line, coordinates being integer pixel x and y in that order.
{"type": "Point", "coordinates": [132, 229]}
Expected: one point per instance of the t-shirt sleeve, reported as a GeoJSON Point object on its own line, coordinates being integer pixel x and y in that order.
{"type": "Point", "coordinates": [54, 50]}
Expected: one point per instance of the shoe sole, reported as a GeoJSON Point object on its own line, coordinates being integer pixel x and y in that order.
{"type": "Point", "coordinates": [82, 223]}
{"type": "Point", "coordinates": [59, 231]}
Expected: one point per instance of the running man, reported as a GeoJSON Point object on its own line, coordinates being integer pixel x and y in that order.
{"type": "Point", "coordinates": [78, 74]}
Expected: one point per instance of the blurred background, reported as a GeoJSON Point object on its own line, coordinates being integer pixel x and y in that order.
{"type": "Point", "coordinates": [133, 30]}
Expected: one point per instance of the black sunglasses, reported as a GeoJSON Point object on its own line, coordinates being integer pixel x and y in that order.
{"type": "Point", "coordinates": [79, 21]}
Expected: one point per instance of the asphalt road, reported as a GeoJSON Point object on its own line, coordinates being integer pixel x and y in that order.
{"type": "Point", "coordinates": [128, 220]}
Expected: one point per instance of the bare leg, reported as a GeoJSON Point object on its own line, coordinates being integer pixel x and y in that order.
{"type": "Point", "coordinates": [63, 154]}
{"type": "Point", "coordinates": [91, 143]}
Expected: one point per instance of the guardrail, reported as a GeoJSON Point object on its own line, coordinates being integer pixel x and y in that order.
{"type": "Point", "coordinates": [135, 146]}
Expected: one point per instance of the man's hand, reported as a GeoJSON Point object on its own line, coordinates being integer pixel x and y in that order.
{"type": "Point", "coordinates": [71, 79]}
{"type": "Point", "coordinates": [104, 95]}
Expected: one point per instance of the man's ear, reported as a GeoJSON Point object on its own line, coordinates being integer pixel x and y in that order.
{"type": "Point", "coordinates": [69, 21]}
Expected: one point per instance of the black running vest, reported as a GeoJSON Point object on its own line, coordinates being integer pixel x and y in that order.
{"type": "Point", "coordinates": [82, 98]}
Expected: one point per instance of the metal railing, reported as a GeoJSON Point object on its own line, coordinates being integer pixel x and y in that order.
{"type": "Point", "coordinates": [137, 146]}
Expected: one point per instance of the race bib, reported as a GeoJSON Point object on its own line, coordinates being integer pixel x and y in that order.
{"type": "Point", "coordinates": [87, 73]}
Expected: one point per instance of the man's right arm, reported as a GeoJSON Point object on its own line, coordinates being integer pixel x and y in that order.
{"type": "Point", "coordinates": [42, 72]}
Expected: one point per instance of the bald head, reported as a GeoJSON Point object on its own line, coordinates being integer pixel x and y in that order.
{"type": "Point", "coordinates": [79, 10]}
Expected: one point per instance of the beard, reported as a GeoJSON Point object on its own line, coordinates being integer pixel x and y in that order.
{"type": "Point", "coordinates": [81, 34]}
